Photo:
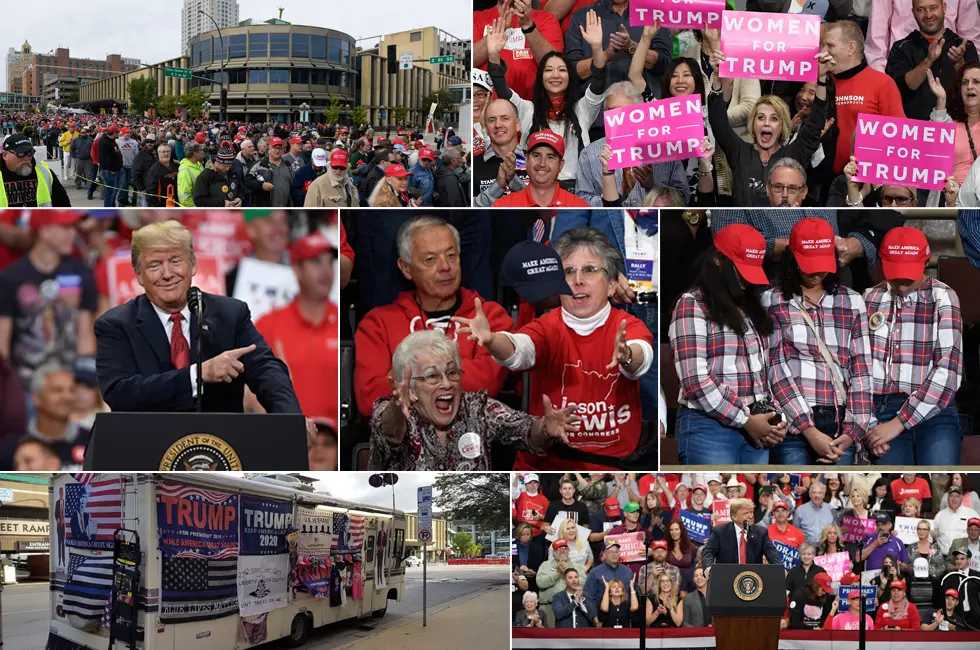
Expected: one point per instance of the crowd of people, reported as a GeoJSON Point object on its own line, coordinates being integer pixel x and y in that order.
{"type": "Point", "coordinates": [548, 69]}
{"type": "Point", "coordinates": [624, 550]}
{"type": "Point", "coordinates": [60, 269]}
{"type": "Point", "coordinates": [545, 361]}
{"type": "Point", "coordinates": [814, 337]}
{"type": "Point", "coordinates": [135, 161]}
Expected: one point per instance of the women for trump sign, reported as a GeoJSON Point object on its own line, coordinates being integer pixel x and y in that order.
{"type": "Point", "coordinates": [781, 47]}
{"type": "Point", "coordinates": [909, 153]}
{"type": "Point", "coordinates": [658, 131]}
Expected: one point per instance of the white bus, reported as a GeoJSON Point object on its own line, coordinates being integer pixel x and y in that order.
{"type": "Point", "coordinates": [75, 620]}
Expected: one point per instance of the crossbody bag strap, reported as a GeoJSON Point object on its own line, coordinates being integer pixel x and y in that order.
{"type": "Point", "coordinates": [969, 136]}
{"type": "Point", "coordinates": [835, 372]}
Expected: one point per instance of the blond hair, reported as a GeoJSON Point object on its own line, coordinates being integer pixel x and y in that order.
{"type": "Point", "coordinates": [782, 111]}
{"type": "Point", "coordinates": [738, 505]}
{"type": "Point", "coordinates": [156, 236]}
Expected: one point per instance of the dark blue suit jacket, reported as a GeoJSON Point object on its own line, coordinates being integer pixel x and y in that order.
{"type": "Point", "coordinates": [135, 373]}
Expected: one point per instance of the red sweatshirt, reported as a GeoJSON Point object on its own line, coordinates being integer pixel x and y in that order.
{"type": "Point", "coordinates": [571, 369]}
{"type": "Point", "coordinates": [868, 91]}
{"type": "Point", "coordinates": [525, 504]}
{"type": "Point", "coordinates": [383, 328]}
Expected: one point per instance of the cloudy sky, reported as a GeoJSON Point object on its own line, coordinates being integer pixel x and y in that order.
{"type": "Point", "coordinates": [152, 32]}
{"type": "Point", "coordinates": [354, 486]}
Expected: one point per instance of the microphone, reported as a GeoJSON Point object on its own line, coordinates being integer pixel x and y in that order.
{"type": "Point", "coordinates": [195, 304]}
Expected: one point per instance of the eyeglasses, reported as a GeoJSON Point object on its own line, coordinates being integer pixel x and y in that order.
{"type": "Point", "coordinates": [337, 168]}
{"type": "Point", "coordinates": [779, 188]}
{"type": "Point", "coordinates": [588, 271]}
{"type": "Point", "coordinates": [434, 377]}
{"type": "Point", "coordinates": [895, 200]}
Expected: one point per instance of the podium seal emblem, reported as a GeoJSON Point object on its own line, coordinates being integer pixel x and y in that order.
{"type": "Point", "coordinates": [748, 585]}
{"type": "Point", "coordinates": [200, 452]}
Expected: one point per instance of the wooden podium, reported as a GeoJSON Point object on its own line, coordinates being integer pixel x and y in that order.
{"type": "Point", "coordinates": [746, 602]}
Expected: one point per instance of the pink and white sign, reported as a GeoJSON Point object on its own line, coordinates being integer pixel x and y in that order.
{"type": "Point", "coordinates": [722, 512]}
{"type": "Point", "coordinates": [631, 546]}
{"type": "Point", "coordinates": [781, 47]}
{"type": "Point", "coordinates": [683, 14]}
{"type": "Point", "coordinates": [836, 564]}
{"type": "Point", "coordinates": [855, 529]}
{"type": "Point", "coordinates": [658, 131]}
{"type": "Point", "coordinates": [897, 151]}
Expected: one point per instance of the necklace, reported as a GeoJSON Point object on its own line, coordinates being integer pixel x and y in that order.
{"type": "Point", "coordinates": [692, 217]}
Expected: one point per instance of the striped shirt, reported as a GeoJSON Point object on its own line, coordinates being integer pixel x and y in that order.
{"type": "Point", "coordinates": [917, 347]}
{"type": "Point", "coordinates": [588, 185]}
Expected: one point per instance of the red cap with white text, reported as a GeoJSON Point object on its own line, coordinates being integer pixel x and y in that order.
{"type": "Point", "coordinates": [812, 244]}
{"type": "Point", "coordinates": [746, 247]}
{"type": "Point", "coordinates": [904, 253]}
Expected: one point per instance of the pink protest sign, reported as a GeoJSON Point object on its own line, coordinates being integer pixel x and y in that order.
{"type": "Point", "coordinates": [855, 529]}
{"type": "Point", "coordinates": [683, 14]}
{"type": "Point", "coordinates": [781, 47]}
{"type": "Point", "coordinates": [897, 151]}
{"type": "Point", "coordinates": [836, 564]}
{"type": "Point", "coordinates": [658, 131]}
{"type": "Point", "coordinates": [722, 512]}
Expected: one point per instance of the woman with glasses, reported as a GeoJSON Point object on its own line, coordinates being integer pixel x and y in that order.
{"type": "Point", "coordinates": [585, 355]}
{"type": "Point", "coordinates": [429, 423]}
{"type": "Point", "coordinates": [846, 192]}
{"type": "Point", "coordinates": [963, 110]}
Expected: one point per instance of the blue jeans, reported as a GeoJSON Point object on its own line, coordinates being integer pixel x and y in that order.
{"type": "Point", "coordinates": [92, 185]}
{"type": "Point", "coordinates": [125, 178]}
{"type": "Point", "coordinates": [702, 440]}
{"type": "Point", "coordinates": [111, 181]}
{"type": "Point", "coordinates": [795, 450]}
{"type": "Point", "coordinates": [936, 441]}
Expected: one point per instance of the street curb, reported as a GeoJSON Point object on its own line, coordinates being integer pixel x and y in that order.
{"type": "Point", "coordinates": [417, 616]}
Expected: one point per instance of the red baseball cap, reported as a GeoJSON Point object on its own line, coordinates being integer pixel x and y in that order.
{"type": "Point", "coordinates": [398, 171]}
{"type": "Point", "coordinates": [397, 141]}
{"type": "Point", "coordinates": [295, 140]}
{"type": "Point", "coordinates": [951, 592]}
{"type": "Point", "coordinates": [43, 218]}
{"type": "Point", "coordinates": [242, 129]}
{"type": "Point", "coordinates": [275, 142]}
{"type": "Point", "coordinates": [549, 138]}
{"type": "Point", "coordinates": [339, 158]}
{"type": "Point", "coordinates": [427, 153]}
{"type": "Point", "coordinates": [126, 130]}
{"type": "Point", "coordinates": [779, 504]}
{"type": "Point", "coordinates": [896, 584]}
{"type": "Point", "coordinates": [824, 580]}
{"type": "Point", "coordinates": [561, 542]}
{"type": "Point", "coordinates": [200, 138]}
{"type": "Point", "coordinates": [972, 521]}
{"type": "Point", "coordinates": [850, 578]}
{"type": "Point", "coordinates": [746, 247]}
{"type": "Point", "coordinates": [419, 144]}
{"type": "Point", "coordinates": [701, 486]}
{"type": "Point", "coordinates": [659, 543]}
{"type": "Point", "coordinates": [611, 505]}
{"type": "Point", "coordinates": [812, 243]}
{"type": "Point", "coordinates": [853, 593]}
{"type": "Point", "coordinates": [904, 253]}
{"type": "Point", "coordinates": [113, 128]}
{"type": "Point", "coordinates": [306, 248]}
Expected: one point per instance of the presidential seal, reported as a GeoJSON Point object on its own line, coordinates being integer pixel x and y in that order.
{"type": "Point", "coordinates": [748, 585]}
{"type": "Point", "coordinates": [876, 320]}
{"type": "Point", "coordinates": [200, 452]}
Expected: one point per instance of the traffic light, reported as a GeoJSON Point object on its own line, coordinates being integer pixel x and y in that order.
{"type": "Point", "coordinates": [224, 104]}
{"type": "Point", "coordinates": [392, 59]}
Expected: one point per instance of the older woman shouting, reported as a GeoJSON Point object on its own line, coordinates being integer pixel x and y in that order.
{"type": "Point", "coordinates": [586, 355]}
{"type": "Point", "coordinates": [429, 423]}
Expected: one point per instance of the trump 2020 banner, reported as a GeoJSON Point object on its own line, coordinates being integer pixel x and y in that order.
{"type": "Point", "coordinates": [264, 523]}
{"type": "Point", "coordinates": [897, 151]}
{"type": "Point", "coordinates": [196, 523]}
{"type": "Point", "coordinates": [781, 47]}
{"type": "Point", "coordinates": [658, 131]}
{"type": "Point", "coordinates": [91, 511]}
{"type": "Point", "coordinates": [681, 14]}
{"type": "Point", "coordinates": [697, 526]}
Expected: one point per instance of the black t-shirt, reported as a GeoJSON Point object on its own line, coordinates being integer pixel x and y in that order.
{"type": "Point", "coordinates": [664, 620]}
{"type": "Point", "coordinates": [806, 613]}
{"type": "Point", "coordinates": [485, 172]}
{"type": "Point", "coordinates": [21, 191]}
{"type": "Point", "coordinates": [617, 616]}
{"type": "Point", "coordinates": [44, 309]}
{"type": "Point", "coordinates": [578, 512]}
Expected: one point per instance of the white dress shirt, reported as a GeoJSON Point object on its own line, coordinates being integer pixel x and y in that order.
{"type": "Point", "coordinates": [185, 327]}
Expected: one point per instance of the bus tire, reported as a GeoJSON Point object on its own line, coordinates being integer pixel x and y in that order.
{"type": "Point", "coordinates": [299, 631]}
{"type": "Point", "coordinates": [378, 613]}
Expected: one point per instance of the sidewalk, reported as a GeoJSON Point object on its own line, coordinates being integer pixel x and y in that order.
{"type": "Point", "coordinates": [479, 622]}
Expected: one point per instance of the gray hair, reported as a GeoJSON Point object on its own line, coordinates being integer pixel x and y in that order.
{"type": "Point", "coordinates": [449, 156]}
{"type": "Point", "coordinates": [529, 594]}
{"type": "Point", "coordinates": [412, 347]}
{"type": "Point", "coordinates": [817, 484]}
{"type": "Point", "coordinates": [595, 241]}
{"type": "Point", "coordinates": [192, 148]}
{"type": "Point", "coordinates": [807, 545]}
{"type": "Point", "coordinates": [408, 230]}
{"type": "Point", "coordinates": [791, 163]}
{"type": "Point", "coordinates": [40, 377]}
{"type": "Point", "coordinates": [624, 88]}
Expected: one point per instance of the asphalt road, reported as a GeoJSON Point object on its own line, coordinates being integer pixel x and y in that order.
{"type": "Point", "coordinates": [25, 606]}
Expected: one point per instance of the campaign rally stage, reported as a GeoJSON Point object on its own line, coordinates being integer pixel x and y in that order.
{"type": "Point", "coordinates": [779, 47]}
{"type": "Point", "coordinates": [909, 153]}
{"type": "Point", "coordinates": [658, 131]}
{"type": "Point", "coordinates": [682, 14]}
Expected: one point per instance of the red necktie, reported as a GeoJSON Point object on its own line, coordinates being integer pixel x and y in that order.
{"type": "Point", "coordinates": [742, 559]}
{"type": "Point", "coordinates": [180, 351]}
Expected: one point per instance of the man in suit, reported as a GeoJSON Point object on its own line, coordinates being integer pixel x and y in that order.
{"type": "Point", "coordinates": [147, 346]}
{"type": "Point", "coordinates": [83, 527]}
{"type": "Point", "coordinates": [739, 542]}
{"type": "Point", "coordinates": [969, 543]}
{"type": "Point", "coordinates": [571, 607]}
{"type": "Point", "coordinates": [696, 612]}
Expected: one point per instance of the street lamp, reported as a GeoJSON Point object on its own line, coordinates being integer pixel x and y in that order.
{"type": "Point", "coordinates": [304, 110]}
{"type": "Point", "coordinates": [224, 91]}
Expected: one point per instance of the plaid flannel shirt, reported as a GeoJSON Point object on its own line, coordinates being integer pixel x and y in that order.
{"type": "Point", "coordinates": [798, 374]}
{"type": "Point", "coordinates": [720, 372]}
{"type": "Point", "coordinates": [924, 333]}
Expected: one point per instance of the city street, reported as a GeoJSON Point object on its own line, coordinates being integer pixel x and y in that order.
{"type": "Point", "coordinates": [452, 593]}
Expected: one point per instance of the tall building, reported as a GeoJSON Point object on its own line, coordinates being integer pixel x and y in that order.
{"type": "Point", "coordinates": [192, 23]}
{"type": "Point", "coordinates": [61, 63]}
{"type": "Point", "coordinates": [17, 60]}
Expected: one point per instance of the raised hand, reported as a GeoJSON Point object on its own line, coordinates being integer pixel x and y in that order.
{"type": "Point", "coordinates": [523, 10]}
{"type": "Point", "coordinates": [401, 393]}
{"type": "Point", "coordinates": [649, 31]}
{"type": "Point", "coordinates": [477, 327]}
{"type": "Point", "coordinates": [620, 39]}
{"type": "Point", "coordinates": [507, 170]}
{"type": "Point", "coordinates": [935, 49]}
{"type": "Point", "coordinates": [605, 156]}
{"type": "Point", "coordinates": [956, 52]}
{"type": "Point", "coordinates": [497, 38]}
{"type": "Point", "coordinates": [826, 127]}
{"type": "Point", "coordinates": [559, 423]}
{"type": "Point", "coordinates": [825, 64]}
{"type": "Point", "coordinates": [951, 191]}
{"type": "Point", "coordinates": [621, 350]}
{"type": "Point", "coordinates": [800, 114]}
{"type": "Point", "coordinates": [592, 32]}
{"type": "Point", "coordinates": [851, 170]}
{"type": "Point", "coordinates": [936, 86]}
{"type": "Point", "coordinates": [707, 151]}
{"type": "Point", "coordinates": [225, 367]}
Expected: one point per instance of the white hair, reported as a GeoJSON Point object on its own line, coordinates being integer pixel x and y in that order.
{"type": "Point", "coordinates": [408, 230]}
{"type": "Point", "coordinates": [416, 344]}
{"type": "Point", "coordinates": [529, 595]}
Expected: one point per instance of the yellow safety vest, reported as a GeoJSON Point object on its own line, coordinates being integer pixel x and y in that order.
{"type": "Point", "coordinates": [45, 178]}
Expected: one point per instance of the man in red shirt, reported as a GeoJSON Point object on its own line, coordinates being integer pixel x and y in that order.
{"type": "Point", "coordinates": [531, 35]}
{"type": "Point", "coordinates": [911, 486]}
{"type": "Point", "coordinates": [545, 158]}
{"type": "Point", "coordinates": [781, 530]}
{"type": "Point", "coordinates": [859, 89]}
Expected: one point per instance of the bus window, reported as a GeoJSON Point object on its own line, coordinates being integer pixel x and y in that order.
{"type": "Point", "coordinates": [399, 542]}
{"type": "Point", "coordinates": [369, 551]}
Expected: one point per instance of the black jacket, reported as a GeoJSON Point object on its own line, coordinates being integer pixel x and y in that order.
{"type": "Point", "coordinates": [156, 182]}
{"type": "Point", "coordinates": [448, 188]}
{"type": "Point", "coordinates": [141, 165]}
{"type": "Point", "coordinates": [81, 147]}
{"type": "Point", "coordinates": [910, 52]}
{"type": "Point", "coordinates": [212, 189]}
{"type": "Point", "coordinates": [110, 158]}
{"type": "Point", "coordinates": [370, 180]}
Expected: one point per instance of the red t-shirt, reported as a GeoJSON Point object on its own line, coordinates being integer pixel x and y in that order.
{"type": "Point", "coordinates": [918, 489]}
{"type": "Point", "coordinates": [345, 248]}
{"type": "Point", "coordinates": [526, 503]}
{"type": "Point", "coordinates": [523, 199]}
{"type": "Point", "coordinates": [7, 253]}
{"type": "Point", "coordinates": [869, 91]}
{"type": "Point", "coordinates": [521, 66]}
{"type": "Point", "coordinates": [311, 353]}
{"type": "Point", "coordinates": [571, 369]}
{"type": "Point", "coordinates": [567, 20]}
{"type": "Point", "coordinates": [792, 537]}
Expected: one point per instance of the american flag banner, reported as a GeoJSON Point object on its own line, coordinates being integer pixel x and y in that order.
{"type": "Point", "coordinates": [196, 590]}
{"type": "Point", "coordinates": [92, 513]}
{"type": "Point", "coordinates": [341, 535]}
{"type": "Point", "coordinates": [356, 532]}
{"type": "Point", "coordinates": [84, 478]}
{"type": "Point", "coordinates": [88, 587]}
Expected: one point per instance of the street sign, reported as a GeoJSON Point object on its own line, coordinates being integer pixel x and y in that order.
{"type": "Point", "coordinates": [6, 495]}
{"type": "Point", "coordinates": [425, 536]}
{"type": "Point", "coordinates": [405, 60]}
{"type": "Point", "coordinates": [381, 114]}
{"type": "Point", "coordinates": [425, 513]}
{"type": "Point", "coordinates": [177, 73]}
{"type": "Point", "coordinates": [442, 59]}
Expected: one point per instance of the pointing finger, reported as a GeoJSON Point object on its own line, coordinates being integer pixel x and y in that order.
{"type": "Point", "coordinates": [242, 351]}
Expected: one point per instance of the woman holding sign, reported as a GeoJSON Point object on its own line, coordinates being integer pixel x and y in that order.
{"type": "Point", "coordinates": [770, 129]}
{"type": "Point", "coordinates": [555, 104]}
{"type": "Point", "coordinates": [926, 546]}
{"type": "Point", "coordinates": [962, 109]}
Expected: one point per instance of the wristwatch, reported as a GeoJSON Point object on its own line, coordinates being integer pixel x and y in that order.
{"type": "Point", "coordinates": [632, 48]}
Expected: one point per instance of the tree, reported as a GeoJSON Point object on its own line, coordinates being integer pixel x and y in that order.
{"type": "Point", "coordinates": [463, 544]}
{"type": "Point", "coordinates": [480, 499]}
{"type": "Point", "coordinates": [401, 114]}
{"type": "Point", "coordinates": [193, 99]}
{"type": "Point", "coordinates": [332, 113]}
{"type": "Point", "coordinates": [359, 115]}
{"type": "Point", "coordinates": [167, 105]}
{"type": "Point", "coordinates": [142, 92]}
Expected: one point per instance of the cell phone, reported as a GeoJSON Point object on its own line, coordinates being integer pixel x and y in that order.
{"type": "Point", "coordinates": [776, 419]}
